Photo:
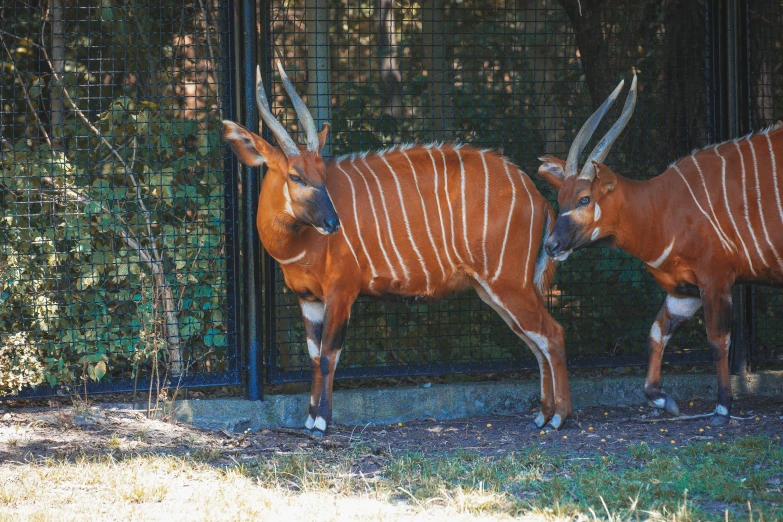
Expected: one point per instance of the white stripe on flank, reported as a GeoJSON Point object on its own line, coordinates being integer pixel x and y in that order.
{"type": "Point", "coordinates": [373, 271]}
{"type": "Point", "coordinates": [343, 232]}
{"type": "Point", "coordinates": [774, 175]}
{"type": "Point", "coordinates": [723, 235]}
{"type": "Point", "coordinates": [291, 259]}
{"type": "Point", "coordinates": [677, 169]}
{"type": "Point", "coordinates": [658, 262]}
{"type": "Point", "coordinates": [451, 212]}
{"type": "Point", "coordinates": [388, 221]}
{"type": "Point", "coordinates": [728, 208]}
{"type": "Point", "coordinates": [758, 195]}
{"type": "Point", "coordinates": [486, 211]}
{"type": "Point", "coordinates": [508, 222]}
{"type": "Point", "coordinates": [408, 225]}
{"type": "Point", "coordinates": [377, 223]}
{"type": "Point", "coordinates": [426, 217]}
{"type": "Point", "coordinates": [745, 206]}
{"type": "Point", "coordinates": [440, 212]}
{"type": "Point", "coordinates": [532, 218]}
{"type": "Point", "coordinates": [464, 211]}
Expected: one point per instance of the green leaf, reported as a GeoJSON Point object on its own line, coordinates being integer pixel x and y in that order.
{"type": "Point", "coordinates": [100, 370]}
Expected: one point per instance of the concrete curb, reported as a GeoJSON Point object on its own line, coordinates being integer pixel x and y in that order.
{"type": "Point", "coordinates": [453, 401]}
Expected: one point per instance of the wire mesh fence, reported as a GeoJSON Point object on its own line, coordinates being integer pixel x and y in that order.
{"type": "Point", "coordinates": [520, 77]}
{"type": "Point", "coordinates": [116, 238]}
{"type": "Point", "coordinates": [765, 97]}
{"type": "Point", "coordinates": [118, 258]}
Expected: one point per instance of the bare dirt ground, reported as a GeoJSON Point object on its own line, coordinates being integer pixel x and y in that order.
{"type": "Point", "coordinates": [63, 430]}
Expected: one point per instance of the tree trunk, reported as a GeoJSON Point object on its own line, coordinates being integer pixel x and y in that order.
{"type": "Point", "coordinates": [58, 64]}
{"type": "Point", "coordinates": [438, 70]}
{"type": "Point", "coordinates": [319, 99]}
{"type": "Point", "coordinates": [391, 80]}
{"type": "Point", "coordinates": [685, 35]}
{"type": "Point", "coordinates": [591, 39]}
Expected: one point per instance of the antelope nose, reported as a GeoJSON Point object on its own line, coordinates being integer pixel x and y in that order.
{"type": "Point", "coordinates": [552, 246]}
{"type": "Point", "coordinates": [331, 225]}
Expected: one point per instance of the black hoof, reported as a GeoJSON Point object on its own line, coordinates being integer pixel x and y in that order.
{"type": "Point", "coordinates": [671, 407]}
{"type": "Point", "coordinates": [549, 428]}
{"type": "Point", "coordinates": [538, 422]}
{"type": "Point", "coordinates": [719, 420]}
{"type": "Point", "coordinates": [317, 433]}
{"type": "Point", "coordinates": [665, 403]}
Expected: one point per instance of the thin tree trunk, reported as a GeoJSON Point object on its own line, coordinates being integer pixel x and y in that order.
{"type": "Point", "coordinates": [319, 98]}
{"type": "Point", "coordinates": [685, 34]}
{"type": "Point", "coordinates": [58, 65]}
{"type": "Point", "coordinates": [391, 80]}
{"type": "Point", "coordinates": [438, 70]}
{"type": "Point", "coordinates": [586, 20]}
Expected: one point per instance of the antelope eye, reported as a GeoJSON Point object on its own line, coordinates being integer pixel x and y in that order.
{"type": "Point", "coordinates": [296, 179]}
{"type": "Point", "coordinates": [584, 200]}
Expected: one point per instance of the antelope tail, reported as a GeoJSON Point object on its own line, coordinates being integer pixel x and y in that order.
{"type": "Point", "coordinates": [545, 265]}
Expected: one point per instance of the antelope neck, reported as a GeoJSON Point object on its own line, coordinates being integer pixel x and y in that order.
{"type": "Point", "coordinates": [639, 228]}
{"type": "Point", "coordinates": [283, 238]}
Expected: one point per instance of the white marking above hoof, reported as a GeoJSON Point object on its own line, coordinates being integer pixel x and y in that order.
{"type": "Point", "coordinates": [309, 423]}
{"type": "Point", "coordinates": [313, 349]}
{"type": "Point", "coordinates": [655, 332]}
{"type": "Point", "coordinates": [320, 424]}
{"type": "Point", "coordinates": [555, 421]}
{"type": "Point", "coordinates": [722, 410]}
{"type": "Point", "coordinates": [540, 420]}
{"type": "Point", "coordinates": [659, 403]}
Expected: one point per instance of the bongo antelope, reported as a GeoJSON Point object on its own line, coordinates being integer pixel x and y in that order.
{"type": "Point", "coordinates": [711, 219]}
{"type": "Point", "coordinates": [419, 221]}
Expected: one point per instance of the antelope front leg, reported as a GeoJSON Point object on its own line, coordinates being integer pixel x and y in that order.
{"type": "Point", "coordinates": [674, 312]}
{"type": "Point", "coordinates": [334, 328]}
{"type": "Point", "coordinates": [313, 318]}
{"type": "Point", "coordinates": [718, 316]}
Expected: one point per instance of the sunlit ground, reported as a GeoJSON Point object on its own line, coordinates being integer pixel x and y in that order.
{"type": "Point", "coordinates": [697, 484]}
{"type": "Point", "coordinates": [84, 464]}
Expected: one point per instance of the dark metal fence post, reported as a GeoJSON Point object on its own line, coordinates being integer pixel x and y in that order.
{"type": "Point", "coordinates": [738, 125]}
{"type": "Point", "coordinates": [265, 56]}
{"type": "Point", "coordinates": [246, 41]}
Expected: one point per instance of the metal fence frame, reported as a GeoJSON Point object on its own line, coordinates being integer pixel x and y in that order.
{"type": "Point", "coordinates": [727, 55]}
{"type": "Point", "coordinates": [255, 306]}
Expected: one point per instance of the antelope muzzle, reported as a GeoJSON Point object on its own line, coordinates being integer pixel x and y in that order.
{"type": "Point", "coordinates": [566, 236]}
{"type": "Point", "coordinates": [322, 214]}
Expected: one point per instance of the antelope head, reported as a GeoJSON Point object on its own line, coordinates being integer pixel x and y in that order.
{"type": "Point", "coordinates": [300, 168]}
{"type": "Point", "coordinates": [580, 194]}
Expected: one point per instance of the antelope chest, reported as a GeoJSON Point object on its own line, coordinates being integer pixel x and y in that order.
{"type": "Point", "coordinates": [301, 279]}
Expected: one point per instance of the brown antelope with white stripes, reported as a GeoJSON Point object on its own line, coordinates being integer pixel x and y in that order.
{"type": "Point", "coordinates": [710, 220]}
{"type": "Point", "coordinates": [419, 221]}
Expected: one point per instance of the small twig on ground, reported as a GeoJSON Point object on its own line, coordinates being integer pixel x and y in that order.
{"type": "Point", "coordinates": [688, 417]}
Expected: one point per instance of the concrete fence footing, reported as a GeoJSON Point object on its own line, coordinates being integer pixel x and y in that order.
{"type": "Point", "coordinates": [453, 401]}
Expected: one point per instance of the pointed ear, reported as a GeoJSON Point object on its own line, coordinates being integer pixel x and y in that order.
{"type": "Point", "coordinates": [606, 179]}
{"type": "Point", "coordinates": [249, 147]}
{"type": "Point", "coordinates": [552, 170]}
{"type": "Point", "coordinates": [323, 135]}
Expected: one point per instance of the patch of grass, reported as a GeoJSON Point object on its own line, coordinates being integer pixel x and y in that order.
{"type": "Point", "coordinates": [694, 482]}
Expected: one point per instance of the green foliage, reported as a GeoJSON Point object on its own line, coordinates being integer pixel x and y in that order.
{"type": "Point", "coordinates": [68, 275]}
{"type": "Point", "coordinates": [19, 364]}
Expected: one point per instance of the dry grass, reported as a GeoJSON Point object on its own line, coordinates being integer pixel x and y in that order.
{"type": "Point", "coordinates": [167, 488]}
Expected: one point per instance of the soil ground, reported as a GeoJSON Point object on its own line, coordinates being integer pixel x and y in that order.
{"type": "Point", "coordinates": [63, 430]}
